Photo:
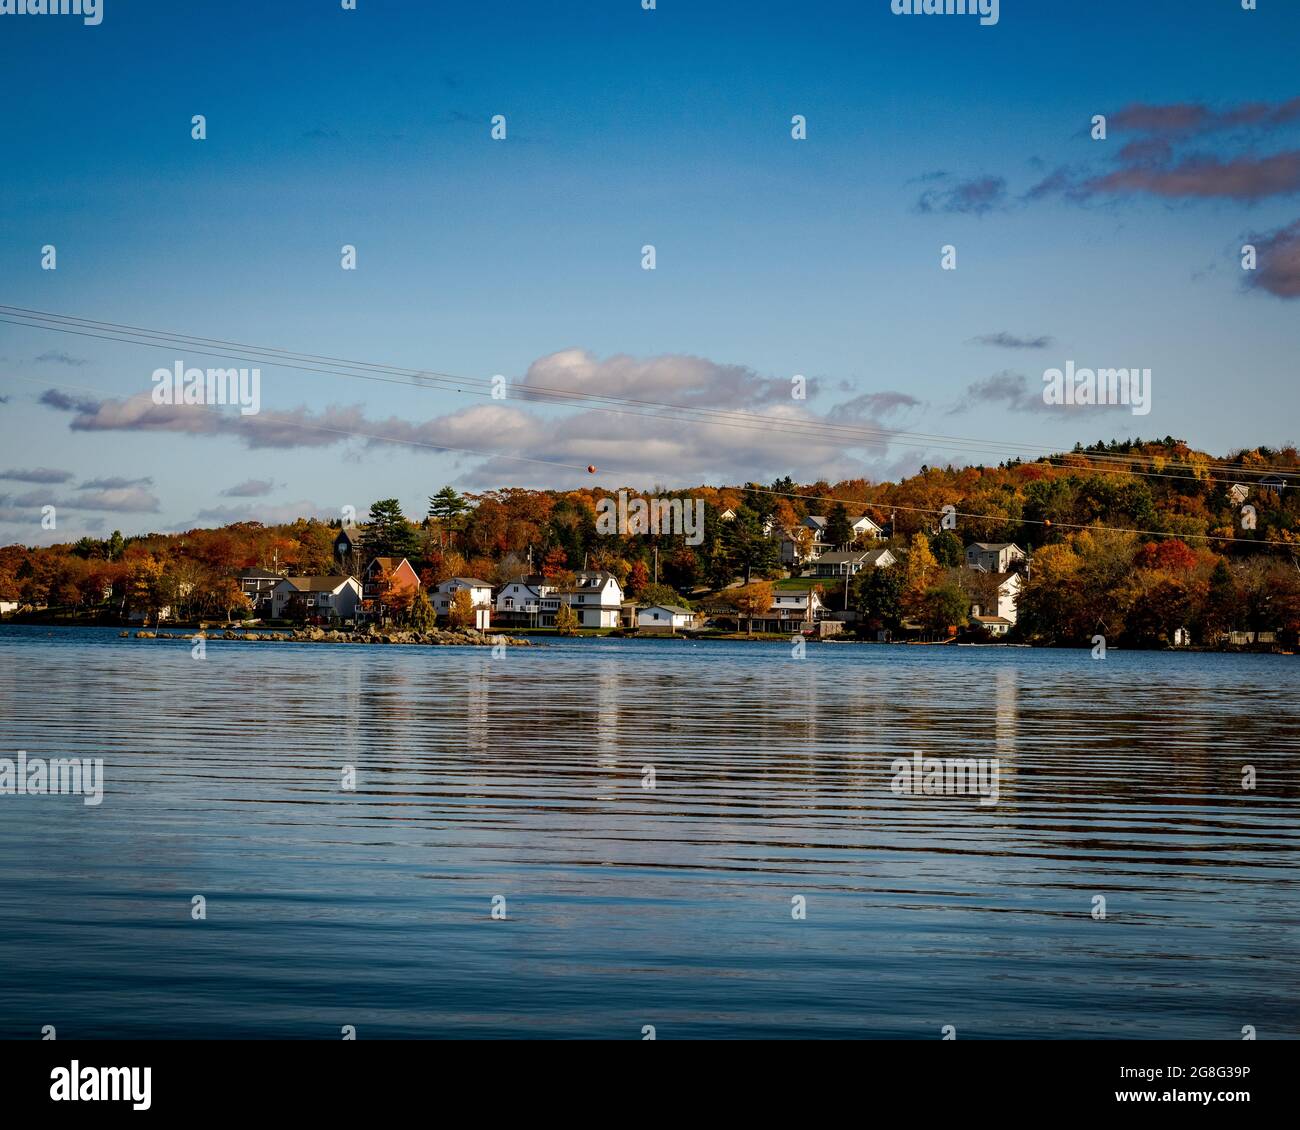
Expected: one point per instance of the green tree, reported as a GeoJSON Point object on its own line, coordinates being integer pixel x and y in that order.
{"type": "Point", "coordinates": [746, 549]}
{"type": "Point", "coordinates": [839, 530]}
{"type": "Point", "coordinates": [661, 594]}
{"type": "Point", "coordinates": [422, 617]}
{"type": "Point", "coordinates": [877, 594]}
{"type": "Point", "coordinates": [447, 504]}
{"type": "Point", "coordinates": [944, 607]}
{"type": "Point", "coordinates": [446, 507]}
{"type": "Point", "coordinates": [388, 533]}
{"type": "Point", "coordinates": [947, 549]}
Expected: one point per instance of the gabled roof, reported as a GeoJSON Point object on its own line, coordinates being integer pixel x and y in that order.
{"type": "Point", "coordinates": [472, 582]}
{"type": "Point", "coordinates": [992, 547]}
{"type": "Point", "coordinates": [317, 584]}
{"type": "Point", "coordinates": [390, 563]}
{"type": "Point", "coordinates": [844, 558]}
{"type": "Point", "coordinates": [676, 609]}
{"type": "Point", "coordinates": [256, 574]}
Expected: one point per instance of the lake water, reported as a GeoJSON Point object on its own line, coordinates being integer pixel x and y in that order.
{"type": "Point", "coordinates": [524, 777]}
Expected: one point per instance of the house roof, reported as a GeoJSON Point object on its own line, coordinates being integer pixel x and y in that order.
{"type": "Point", "coordinates": [317, 584]}
{"type": "Point", "coordinates": [843, 558]}
{"type": "Point", "coordinates": [258, 575]}
{"type": "Point", "coordinates": [991, 620]}
{"type": "Point", "coordinates": [818, 521]}
{"type": "Point", "coordinates": [992, 547]}
{"type": "Point", "coordinates": [590, 580]}
{"type": "Point", "coordinates": [676, 609]}
{"type": "Point", "coordinates": [472, 582]}
{"type": "Point", "coordinates": [390, 563]}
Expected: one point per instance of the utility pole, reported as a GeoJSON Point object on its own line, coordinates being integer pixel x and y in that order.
{"type": "Point", "coordinates": [656, 552]}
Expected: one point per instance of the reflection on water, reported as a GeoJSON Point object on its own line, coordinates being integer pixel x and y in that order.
{"type": "Point", "coordinates": [522, 776]}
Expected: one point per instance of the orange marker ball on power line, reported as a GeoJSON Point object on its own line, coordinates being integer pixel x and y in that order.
{"type": "Point", "coordinates": [591, 468]}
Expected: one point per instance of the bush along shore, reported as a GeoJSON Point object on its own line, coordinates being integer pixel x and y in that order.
{"type": "Point", "coordinates": [435, 637]}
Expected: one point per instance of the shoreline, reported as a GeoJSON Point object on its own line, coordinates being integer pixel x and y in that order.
{"type": "Point", "coordinates": [520, 637]}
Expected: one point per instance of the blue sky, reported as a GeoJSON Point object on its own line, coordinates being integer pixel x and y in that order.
{"type": "Point", "coordinates": [628, 127]}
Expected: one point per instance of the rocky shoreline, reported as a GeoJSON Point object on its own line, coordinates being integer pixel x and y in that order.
{"type": "Point", "coordinates": [437, 637]}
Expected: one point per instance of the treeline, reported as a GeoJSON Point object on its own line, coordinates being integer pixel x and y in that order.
{"type": "Point", "coordinates": [1159, 570]}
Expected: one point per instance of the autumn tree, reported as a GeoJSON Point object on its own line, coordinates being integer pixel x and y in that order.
{"type": "Point", "coordinates": [750, 601]}
{"type": "Point", "coordinates": [461, 612]}
{"type": "Point", "coordinates": [921, 568]}
{"type": "Point", "coordinates": [566, 621]}
{"type": "Point", "coordinates": [638, 577]}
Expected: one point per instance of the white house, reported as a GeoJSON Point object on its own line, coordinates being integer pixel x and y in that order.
{"type": "Point", "coordinates": [664, 618]}
{"type": "Point", "coordinates": [519, 602]}
{"type": "Point", "coordinates": [327, 597]}
{"type": "Point", "coordinates": [7, 606]}
{"type": "Point", "coordinates": [995, 595]}
{"type": "Point", "coordinates": [853, 562]}
{"type": "Point", "coordinates": [862, 526]}
{"type": "Point", "coordinates": [595, 596]}
{"type": "Point", "coordinates": [994, 625]}
{"type": "Point", "coordinates": [792, 610]}
{"type": "Point", "coordinates": [480, 593]}
{"type": "Point", "coordinates": [993, 557]}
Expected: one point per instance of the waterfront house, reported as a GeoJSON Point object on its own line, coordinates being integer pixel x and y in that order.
{"type": "Point", "coordinates": [257, 585]}
{"type": "Point", "coordinates": [329, 598]}
{"type": "Point", "coordinates": [480, 593]}
{"type": "Point", "coordinates": [994, 625]}
{"type": "Point", "coordinates": [596, 598]}
{"type": "Point", "coordinates": [993, 557]}
{"type": "Point", "coordinates": [996, 593]}
{"type": "Point", "coordinates": [388, 582]}
{"type": "Point", "coordinates": [792, 610]}
{"type": "Point", "coordinates": [664, 618]}
{"type": "Point", "coordinates": [519, 602]}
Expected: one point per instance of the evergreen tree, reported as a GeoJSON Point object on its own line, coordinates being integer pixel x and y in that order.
{"type": "Point", "coordinates": [839, 530]}
{"type": "Point", "coordinates": [746, 549]}
{"type": "Point", "coordinates": [389, 534]}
